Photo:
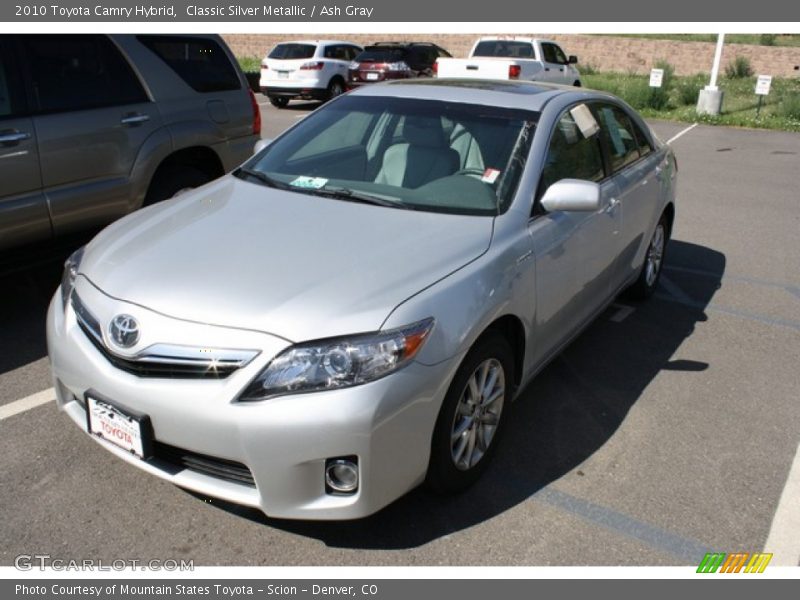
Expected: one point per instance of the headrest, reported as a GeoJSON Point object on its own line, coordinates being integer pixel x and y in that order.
{"type": "Point", "coordinates": [424, 131]}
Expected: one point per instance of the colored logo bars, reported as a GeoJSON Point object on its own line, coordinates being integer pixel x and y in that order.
{"type": "Point", "coordinates": [734, 563]}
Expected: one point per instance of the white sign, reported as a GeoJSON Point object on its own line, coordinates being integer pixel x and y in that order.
{"type": "Point", "coordinates": [762, 85]}
{"type": "Point", "coordinates": [656, 77]}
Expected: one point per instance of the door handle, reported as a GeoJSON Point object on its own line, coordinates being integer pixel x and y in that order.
{"type": "Point", "coordinates": [134, 119]}
{"type": "Point", "coordinates": [547, 68]}
{"type": "Point", "coordinates": [14, 137]}
{"type": "Point", "coordinates": [612, 205]}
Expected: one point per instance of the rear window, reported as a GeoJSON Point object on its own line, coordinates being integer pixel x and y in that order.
{"type": "Point", "coordinates": [200, 62]}
{"type": "Point", "coordinates": [376, 54]}
{"type": "Point", "coordinates": [504, 48]}
{"type": "Point", "coordinates": [291, 51]}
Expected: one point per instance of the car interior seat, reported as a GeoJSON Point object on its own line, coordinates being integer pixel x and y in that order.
{"type": "Point", "coordinates": [424, 156]}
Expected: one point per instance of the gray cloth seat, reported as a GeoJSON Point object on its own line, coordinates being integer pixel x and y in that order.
{"type": "Point", "coordinates": [423, 157]}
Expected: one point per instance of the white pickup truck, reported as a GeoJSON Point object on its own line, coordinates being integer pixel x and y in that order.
{"type": "Point", "coordinates": [514, 58]}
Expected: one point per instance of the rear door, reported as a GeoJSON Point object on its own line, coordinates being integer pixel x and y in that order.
{"type": "Point", "coordinates": [634, 166]}
{"type": "Point", "coordinates": [23, 209]}
{"type": "Point", "coordinates": [91, 116]}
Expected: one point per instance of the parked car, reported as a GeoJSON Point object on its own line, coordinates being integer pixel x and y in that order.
{"type": "Point", "coordinates": [306, 69]}
{"type": "Point", "coordinates": [394, 60]}
{"type": "Point", "coordinates": [93, 127]}
{"type": "Point", "coordinates": [351, 312]}
{"type": "Point", "coordinates": [525, 59]}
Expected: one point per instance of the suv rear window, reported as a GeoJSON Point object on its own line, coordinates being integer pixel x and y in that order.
{"type": "Point", "coordinates": [379, 54]}
{"type": "Point", "coordinates": [505, 48]}
{"type": "Point", "coordinates": [200, 62]}
{"type": "Point", "coordinates": [290, 51]}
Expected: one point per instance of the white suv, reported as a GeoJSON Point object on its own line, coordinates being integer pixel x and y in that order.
{"type": "Point", "coordinates": [307, 69]}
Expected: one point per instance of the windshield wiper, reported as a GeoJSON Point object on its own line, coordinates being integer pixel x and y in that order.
{"type": "Point", "coordinates": [342, 193]}
{"type": "Point", "coordinates": [263, 178]}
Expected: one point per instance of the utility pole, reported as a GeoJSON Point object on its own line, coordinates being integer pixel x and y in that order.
{"type": "Point", "coordinates": [710, 100]}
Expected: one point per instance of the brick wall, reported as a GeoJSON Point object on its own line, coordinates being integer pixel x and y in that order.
{"type": "Point", "coordinates": [602, 52]}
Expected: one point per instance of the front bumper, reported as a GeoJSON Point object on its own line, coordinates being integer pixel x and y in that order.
{"type": "Point", "coordinates": [284, 442]}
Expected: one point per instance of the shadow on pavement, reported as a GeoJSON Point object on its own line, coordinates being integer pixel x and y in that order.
{"type": "Point", "coordinates": [564, 416]}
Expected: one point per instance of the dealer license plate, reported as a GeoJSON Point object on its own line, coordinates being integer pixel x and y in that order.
{"type": "Point", "coordinates": [372, 76]}
{"type": "Point", "coordinates": [117, 426]}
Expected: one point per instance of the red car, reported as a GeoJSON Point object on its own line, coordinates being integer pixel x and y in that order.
{"type": "Point", "coordinates": [394, 60]}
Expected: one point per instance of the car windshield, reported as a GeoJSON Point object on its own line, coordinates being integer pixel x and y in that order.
{"type": "Point", "coordinates": [292, 51]}
{"type": "Point", "coordinates": [402, 152]}
{"type": "Point", "coordinates": [379, 54]}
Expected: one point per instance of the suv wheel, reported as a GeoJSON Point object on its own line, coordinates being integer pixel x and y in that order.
{"type": "Point", "coordinates": [278, 101]}
{"type": "Point", "coordinates": [172, 181]}
{"type": "Point", "coordinates": [471, 418]}
{"type": "Point", "coordinates": [335, 88]}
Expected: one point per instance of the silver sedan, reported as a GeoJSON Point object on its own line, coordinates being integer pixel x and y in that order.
{"type": "Point", "coordinates": [350, 313]}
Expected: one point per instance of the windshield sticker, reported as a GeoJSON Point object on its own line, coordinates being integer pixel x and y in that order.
{"type": "Point", "coordinates": [585, 120]}
{"type": "Point", "coordinates": [313, 183]}
{"type": "Point", "coordinates": [490, 175]}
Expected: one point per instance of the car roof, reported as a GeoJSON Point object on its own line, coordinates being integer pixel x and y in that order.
{"type": "Point", "coordinates": [525, 95]}
{"type": "Point", "coordinates": [317, 42]}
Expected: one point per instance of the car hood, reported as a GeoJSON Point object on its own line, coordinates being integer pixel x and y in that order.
{"type": "Point", "coordinates": [239, 254]}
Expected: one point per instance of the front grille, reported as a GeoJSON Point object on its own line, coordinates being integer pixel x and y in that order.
{"type": "Point", "coordinates": [164, 360]}
{"type": "Point", "coordinates": [221, 468]}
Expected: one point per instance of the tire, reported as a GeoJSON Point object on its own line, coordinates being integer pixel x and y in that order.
{"type": "Point", "coordinates": [647, 282]}
{"type": "Point", "coordinates": [335, 88]}
{"type": "Point", "coordinates": [170, 181]}
{"type": "Point", "coordinates": [279, 101]}
{"type": "Point", "coordinates": [577, 83]}
{"type": "Point", "coordinates": [457, 459]}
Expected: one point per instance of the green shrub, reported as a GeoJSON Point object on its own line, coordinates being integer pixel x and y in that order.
{"type": "Point", "coordinates": [635, 92]}
{"type": "Point", "coordinates": [249, 64]}
{"type": "Point", "coordinates": [789, 105]}
{"type": "Point", "coordinates": [588, 69]}
{"type": "Point", "coordinates": [659, 97]}
{"type": "Point", "coordinates": [688, 89]}
{"type": "Point", "coordinates": [768, 39]}
{"type": "Point", "coordinates": [739, 68]}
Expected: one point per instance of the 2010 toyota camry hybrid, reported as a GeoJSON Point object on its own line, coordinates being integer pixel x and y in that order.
{"type": "Point", "coordinates": [351, 312]}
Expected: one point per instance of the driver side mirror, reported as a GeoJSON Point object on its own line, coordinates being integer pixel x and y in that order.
{"type": "Point", "coordinates": [572, 195]}
{"type": "Point", "coordinates": [572, 60]}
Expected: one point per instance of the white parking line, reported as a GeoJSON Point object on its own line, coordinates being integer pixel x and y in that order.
{"type": "Point", "coordinates": [783, 540]}
{"type": "Point", "coordinates": [680, 133]}
{"type": "Point", "coordinates": [32, 401]}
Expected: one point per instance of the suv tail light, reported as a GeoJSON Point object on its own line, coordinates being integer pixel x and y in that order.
{"type": "Point", "coordinates": [312, 66]}
{"type": "Point", "coordinates": [265, 66]}
{"type": "Point", "coordinates": [256, 113]}
{"type": "Point", "coordinates": [514, 71]}
{"type": "Point", "coordinates": [436, 68]}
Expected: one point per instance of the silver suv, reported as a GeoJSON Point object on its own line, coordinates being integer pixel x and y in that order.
{"type": "Point", "coordinates": [93, 127]}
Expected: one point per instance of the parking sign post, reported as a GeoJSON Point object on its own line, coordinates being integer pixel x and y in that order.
{"type": "Point", "coordinates": [763, 84]}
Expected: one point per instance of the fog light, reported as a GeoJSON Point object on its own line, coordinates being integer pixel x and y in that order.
{"type": "Point", "coordinates": [341, 475]}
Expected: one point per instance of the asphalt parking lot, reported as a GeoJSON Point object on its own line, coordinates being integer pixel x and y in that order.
{"type": "Point", "coordinates": [665, 431]}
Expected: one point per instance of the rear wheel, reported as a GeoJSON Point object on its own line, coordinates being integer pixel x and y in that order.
{"type": "Point", "coordinates": [174, 180]}
{"type": "Point", "coordinates": [648, 278]}
{"type": "Point", "coordinates": [279, 101]}
{"type": "Point", "coordinates": [335, 88]}
{"type": "Point", "coordinates": [471, 418]}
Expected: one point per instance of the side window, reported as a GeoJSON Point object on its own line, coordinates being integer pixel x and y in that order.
{"type": "Point", "coordinates": [618, 132]}
{"type": "Point", "coordinates": [443, 53]}
{"type": "Point", "coordinates": [559, 54]}
{"type": "Point", "coordinates": [200, 62]}
{"type": "Point", "coordinates": [337, 52]}
{"type": "Point", "coordinates": [644, 146]}
{"type": "Point", "coordinates": [574, 151]}
{"type": "Point", "coordinates": [11, 90]}
{"type": "Point", "coordinates": [78, 72]}
{"type": "Point", "coordinates": [352, 52]}
{"type": "Point", "coordinates": [548, 53]}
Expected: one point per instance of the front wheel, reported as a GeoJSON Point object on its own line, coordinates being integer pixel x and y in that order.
{"type": "Point", "coordinates": [335, 88]}
{"type": "Point", "coordinates": [648, 278]}
{"type": "Point", "coordinates": [471, 418]}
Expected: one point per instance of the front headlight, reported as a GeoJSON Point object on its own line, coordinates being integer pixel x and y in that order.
{"type": "Point", "coordinates": [338, 362]}
{"type": "Point", "coordinates": [71, 266]}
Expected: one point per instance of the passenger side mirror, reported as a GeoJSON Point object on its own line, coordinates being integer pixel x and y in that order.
{"type": "Point", "coordinates": [572, 195]}
{"type": "Point", "coordinates": [572, 60]}
{"type": "Point", "coordinates": [261, 144]}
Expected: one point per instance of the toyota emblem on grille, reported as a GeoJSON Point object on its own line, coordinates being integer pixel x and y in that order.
{"type": "Point", "coordinates": [124, 331]}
